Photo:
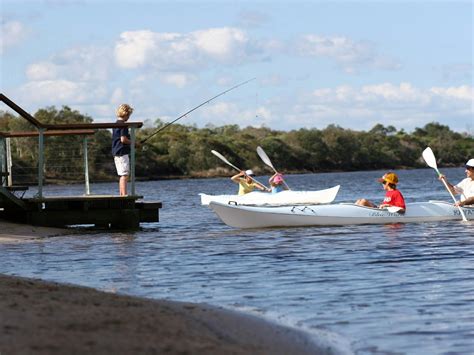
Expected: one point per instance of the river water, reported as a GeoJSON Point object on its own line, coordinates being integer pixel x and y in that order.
{"type": "Point", "coordinates": [381, 289]}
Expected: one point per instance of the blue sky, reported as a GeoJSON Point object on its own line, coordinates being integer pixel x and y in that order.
{"type": "Point", "coordinates": [349, 63]}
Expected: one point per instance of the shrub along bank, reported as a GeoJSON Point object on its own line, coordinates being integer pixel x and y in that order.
{"type": "Point", "coordinates": [185, 151]}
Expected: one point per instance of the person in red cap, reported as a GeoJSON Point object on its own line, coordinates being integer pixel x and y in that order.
{"type": "Point", "coordinates": [465, 187]}
{"type": "Point", "coordinates": [277, 184]}
{"type": "Point", "coordinates": [393, 197]}
{"type": "Point", "coordinates": [246, 182]}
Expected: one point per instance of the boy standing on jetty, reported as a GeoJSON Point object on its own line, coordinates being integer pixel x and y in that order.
{"type": "Point", "coordinates": [121, 147]}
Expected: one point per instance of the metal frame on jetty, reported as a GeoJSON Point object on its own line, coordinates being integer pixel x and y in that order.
{"type": "Point", "coordinates": [117, 212]}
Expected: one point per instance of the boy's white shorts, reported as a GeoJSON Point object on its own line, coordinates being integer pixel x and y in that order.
{"type": "Point", "coordinates": [122, 164]}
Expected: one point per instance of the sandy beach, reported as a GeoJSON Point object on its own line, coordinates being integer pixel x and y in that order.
{"type": "Point", "coordinates": [39, 317]}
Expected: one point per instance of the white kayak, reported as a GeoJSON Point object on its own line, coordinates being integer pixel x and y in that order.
{"type": "Point", "coordinates": [287, 197]}
{"type": "Point", "coordinates": [333, 214]}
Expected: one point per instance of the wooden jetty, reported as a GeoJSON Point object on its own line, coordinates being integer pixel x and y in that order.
{"type": "Point", "coordinates": [117, 212]}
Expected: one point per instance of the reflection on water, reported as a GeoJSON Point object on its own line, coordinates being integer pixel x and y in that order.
{"type": "Point", "coordinates": [402, 288]}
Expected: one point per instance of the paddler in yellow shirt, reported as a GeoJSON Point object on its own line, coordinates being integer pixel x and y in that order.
{"type": "Point", "coordinates": [246, 182]}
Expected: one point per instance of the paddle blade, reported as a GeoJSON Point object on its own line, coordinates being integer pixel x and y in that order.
{"type": "Point", "coordinates": [430, 158]}
{"type": "Point", "coordinates": [220, 156]}
{"type": "Point", "coordinates": [261, 153]}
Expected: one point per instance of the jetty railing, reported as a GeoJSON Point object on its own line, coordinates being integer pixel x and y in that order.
{"type": "Point", "coordinates": [49, 130]}
{"type": "Point", "coordinates": [6, 144]}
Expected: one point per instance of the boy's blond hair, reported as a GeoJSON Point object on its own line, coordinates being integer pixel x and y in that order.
{"type": "Point", "coordinates": [124, 110]}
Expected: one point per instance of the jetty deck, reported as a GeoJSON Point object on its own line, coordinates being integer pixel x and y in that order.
{"type": "Point", "coordinates": [116, 212]}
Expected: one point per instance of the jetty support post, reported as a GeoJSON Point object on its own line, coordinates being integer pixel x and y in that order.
{"type": "Point", "coordinates": [9, 161]}
{"type": "Point", "coordinates": [40, 161]}
{"type": "Point", "coordinates": [3, 160]}
{"type": "Point", "coordinates": [132, 160]}
{"type": "Point", "coordinates": [86, 168]}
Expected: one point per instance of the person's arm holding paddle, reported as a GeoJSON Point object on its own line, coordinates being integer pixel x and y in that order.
{"type": "Point", "coordinates": [236, 178]}
{"type": "Point", "coordinates": [450, 186]}
{"type": "Point", "coordinates": [247, 183]}
{"type": "Point", "coordinates": [465, 187]}
{"type": "Point", "coordinates": [466, 202]}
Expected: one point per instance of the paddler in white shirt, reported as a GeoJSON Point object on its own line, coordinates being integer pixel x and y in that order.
{"type": "Point", "coordinates": [465, 187]}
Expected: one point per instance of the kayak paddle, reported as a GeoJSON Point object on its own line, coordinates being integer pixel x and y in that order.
{"type": "Point", "coordinates": [430, 160]}
{"type": "Point", "coordinates": [261, 153]}
{"type": "Point", "coordinates": [221, 157]}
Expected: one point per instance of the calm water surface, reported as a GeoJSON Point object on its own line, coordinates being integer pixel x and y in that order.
{"type": "Point", "coordinates": [384, 289]}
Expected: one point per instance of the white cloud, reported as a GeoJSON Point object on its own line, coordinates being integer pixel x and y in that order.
{"type": "Point", "coordinates": [377, 95]}
{"type": "Point", "coordinates": [76, 76]}
{"type": "Point", "coordinates": [402, 105]}
{"type": "Point", "coordinates": [117, 96]}
{"type": "Point", "coordinates": [86, 76]}
{"type": "Point", "coordinates": [461, 93]}
{"type": "Point", "coordinates": [61, 92]}
{"type": "Point", "coordinates": [350, 55]}
{"type": "Point", "coordinates": [134, 49]}
{"type": "Point", "coordinates": [179, 52]}
{"type": "Point", "coordinates": [225, 113]}
{"type": "Point", "coordinates": [12, 33]}
{"type": "Point", "coordinates": [221, 109]}
{"type": "Point", "coordinates": [41, 71]}
{"type": "Point", "coordinates": [179, 80]}
{"type": "Point", "coordinates": [79, 63]}
{"type": "Point", "coordinates": [222, 44]}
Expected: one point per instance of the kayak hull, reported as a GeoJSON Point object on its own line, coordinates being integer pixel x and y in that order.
{"type": "Point", "coordinates": [333, 214]}
{"type": "Point", "coordinates": [288, 197]}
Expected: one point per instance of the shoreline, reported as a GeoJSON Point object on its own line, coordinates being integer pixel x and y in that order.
{"type": "Point", "coordinates": [17, 232]}
{"type": "Point", "coordinates": [45, 317]}
{"type": "Point", "coordinates": [229, 173]}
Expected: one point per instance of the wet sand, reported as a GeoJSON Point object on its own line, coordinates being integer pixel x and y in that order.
{"type": "Point", "coordinates": [39, 317]}
{"type": "Point", "coordinates": [15, 232]}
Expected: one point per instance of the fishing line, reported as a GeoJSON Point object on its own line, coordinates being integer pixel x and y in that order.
{"type": "Point", "coordinates": [193, 109]}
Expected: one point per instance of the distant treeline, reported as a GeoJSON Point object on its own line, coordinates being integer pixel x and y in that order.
{"type": "Point", "coordinates": [185, 151]}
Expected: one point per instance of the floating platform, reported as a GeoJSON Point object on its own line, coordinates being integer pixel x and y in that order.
{"type": "Point", "coordinates": [116, 212]}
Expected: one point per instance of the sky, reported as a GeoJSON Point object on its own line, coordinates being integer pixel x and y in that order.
{"type": "Point", "coordinates": [313, 63]}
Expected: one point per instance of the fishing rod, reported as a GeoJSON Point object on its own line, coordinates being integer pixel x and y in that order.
{"type": "Point", "coordinates": [195, 108]}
